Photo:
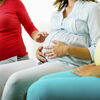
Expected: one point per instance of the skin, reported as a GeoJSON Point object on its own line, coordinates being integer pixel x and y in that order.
{"type": "Point", "coordinates": [40, 55]}
{"type": "Point", "coordinates": [53, 51]}
{"type": "Point", "coordinates": [88, 70]}
{"type": "Point", "coordinates": [39, 36]}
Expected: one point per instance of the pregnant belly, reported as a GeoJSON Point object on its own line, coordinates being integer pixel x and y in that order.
{"type": "Point", "coordinates": [69, 39]}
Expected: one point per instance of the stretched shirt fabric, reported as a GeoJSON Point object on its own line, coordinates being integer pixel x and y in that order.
{"type": "Point", "coordinates": [81, 29]}
{"type": "Point", "coordinates": [12, 15]}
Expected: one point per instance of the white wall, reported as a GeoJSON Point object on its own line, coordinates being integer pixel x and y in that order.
{"type": "Point", "coordinates": [40, 12]}
{"type": "Point", "coordinates": [98, 0]}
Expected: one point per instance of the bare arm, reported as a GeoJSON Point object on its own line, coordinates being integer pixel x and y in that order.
{"type": "Point", "coordinates": [61, 49]}
{"type": "Point", "coordinates": [82, 53]}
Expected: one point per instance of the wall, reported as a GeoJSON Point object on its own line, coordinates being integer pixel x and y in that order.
{"type": "Point", "coordinates": [40, 12]}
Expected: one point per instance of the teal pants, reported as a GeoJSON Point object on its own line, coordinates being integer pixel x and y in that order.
{"type": "Point", "coordinates": [65, 86]}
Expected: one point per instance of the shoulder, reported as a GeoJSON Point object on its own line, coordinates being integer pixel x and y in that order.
{"type": "Point", "coordinates": [17, 2]}
{"type": "Point", "coordinates": [92, 6]}
{"type": "Point", "coordinates": [56, 13]}
{"type": "Point", "coordinates": [89, 7]}
{"type": "Point", "coordinates": [87, 4]}
{"type": "Point", "coordinates": [14, 3]}
{"type": "Point", "coordinates": [94, 9]}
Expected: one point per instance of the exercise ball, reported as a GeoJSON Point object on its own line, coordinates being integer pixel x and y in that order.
{"type": "Point", "coordinates": [97, 54]}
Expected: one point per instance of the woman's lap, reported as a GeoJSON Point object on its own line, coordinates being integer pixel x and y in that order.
{"type": "Point", "coordinates": [6, 70]}
{"type": "Point", "coordinates": [14, 59]}
{"type": "Point", "coordinates": [65, 86]}
{"type": "Point", "coordinates": [26, 77]}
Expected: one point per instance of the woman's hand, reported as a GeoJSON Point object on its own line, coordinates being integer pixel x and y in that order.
{"type": "Point", "coordinates": [59, 49]}
{"type": "Point", "coordinates": [39, 36]}
{"type": "Point", "coordinates": [40, 55]}
{"type": "Point", "coordinates": [88, 70]}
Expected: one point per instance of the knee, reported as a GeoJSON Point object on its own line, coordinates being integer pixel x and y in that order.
{"type": "Point", "coordinates": [13, 89]}
{"type": "Point", "coordinates": [45, 77]}
{"type": "Point", "coordinates": [38, 91]}
{"type": "Point", "coordinates": [14, 81]}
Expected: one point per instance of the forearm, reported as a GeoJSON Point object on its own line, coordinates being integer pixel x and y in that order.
{"type": "Point", "coordinates": [34, 34]}
{"type": "Point", "coordinates": [81, 53]}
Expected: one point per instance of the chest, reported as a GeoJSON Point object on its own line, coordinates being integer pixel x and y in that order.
{"type": "Point", "coordinates": [67, 12]}
{"type": "Point", "coordinates": [74, 23]}
{"type": "Point", "coordinates": [8, 17]}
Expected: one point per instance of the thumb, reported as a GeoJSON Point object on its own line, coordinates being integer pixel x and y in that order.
{"type": "Point", "coordinates": [38, 35]}
{"type": "Point", "coordinates": [55, 42]}
{"type": "Point", "coordinates": [40, 48]}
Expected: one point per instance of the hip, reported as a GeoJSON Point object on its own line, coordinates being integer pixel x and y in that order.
{"type": "Point", "coordinates": [14, 59]}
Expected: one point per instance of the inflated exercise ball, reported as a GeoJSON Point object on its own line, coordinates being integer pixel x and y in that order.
{"type": "Point", "coordinates": [97, 53]}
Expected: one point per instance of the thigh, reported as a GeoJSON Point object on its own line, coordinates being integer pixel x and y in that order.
{"type": "Point", "coordinates": [7, 70]}
{"type": "Point", "coordinates": [26, 57]}
{"type": "Point", "coordinates": [38, 71]}
{"type": "Point", "coordinates": [9, 60]}
{"type": "Point", "coordinates": [26, 77]}
{"type": "Point", "coordinates": [65, 88]}
{"type": "Point", "coordinates": [33, 73]}
{"type": "Point", "coordinates": [60, 75]}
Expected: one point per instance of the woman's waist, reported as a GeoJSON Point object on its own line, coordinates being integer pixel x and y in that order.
{"type": "Point", "coordinates": [12, 47]}
{"type": "Point", "coordinates": [7, 42]}
{"type": "Point", "coordinates": [70, 60]}
{"type": "Point", "coordinates": [11, 52]}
